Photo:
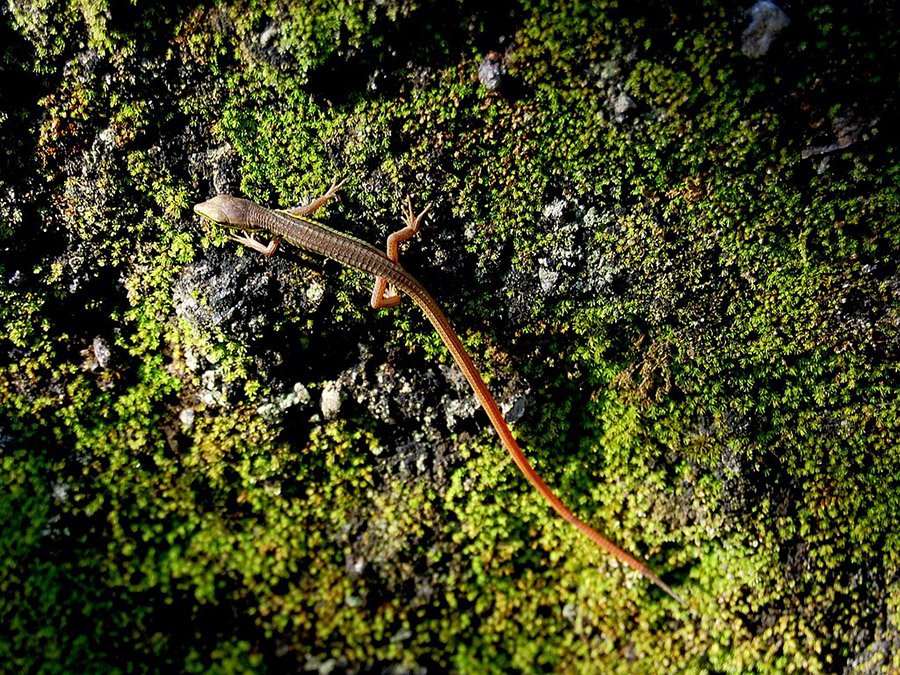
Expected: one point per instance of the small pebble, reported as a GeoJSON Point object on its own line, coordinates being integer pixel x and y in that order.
{"type": "Point", "coordinates": [491, 71]}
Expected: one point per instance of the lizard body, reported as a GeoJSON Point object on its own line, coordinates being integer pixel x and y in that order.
{"type": "Point", "coordinates": [295, 227]}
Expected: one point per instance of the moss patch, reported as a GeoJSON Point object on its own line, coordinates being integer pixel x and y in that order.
{"type": "Point", "coordinates": [676, 265]}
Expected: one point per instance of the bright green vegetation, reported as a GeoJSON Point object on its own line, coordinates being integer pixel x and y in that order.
{"type": "Point", "coordinates": [705, 324]}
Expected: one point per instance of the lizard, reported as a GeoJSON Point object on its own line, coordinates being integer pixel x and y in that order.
{"type": "Point", "coordinates": [244, 218]}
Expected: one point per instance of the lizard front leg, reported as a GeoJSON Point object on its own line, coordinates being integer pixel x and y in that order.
{"type": "Point", "coordinates": [318, 203]}
{"type": "Point", "coordinates": [250, 242]}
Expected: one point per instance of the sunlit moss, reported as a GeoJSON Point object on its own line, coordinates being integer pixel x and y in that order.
{"type": "Point", "coordinates": [701, 322]}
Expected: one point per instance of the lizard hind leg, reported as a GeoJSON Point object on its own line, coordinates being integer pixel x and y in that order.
{"type": "Point", "coordinates": [412, 223]}
{"type": "Point", "coordinates": [382, 296]}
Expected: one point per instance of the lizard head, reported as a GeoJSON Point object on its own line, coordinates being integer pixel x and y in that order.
{"type": "Point", "coordinates": [223, 210]}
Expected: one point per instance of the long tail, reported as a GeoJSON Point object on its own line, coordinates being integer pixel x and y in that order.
{"type": "Point", "coordinates": [442, 325]}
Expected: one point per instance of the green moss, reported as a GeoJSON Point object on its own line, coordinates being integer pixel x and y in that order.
{"type": "Point", "coordinates": [711, 379]}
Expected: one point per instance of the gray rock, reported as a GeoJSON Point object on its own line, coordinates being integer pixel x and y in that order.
{"type": "Point", "coordinates": [225, 289]}
{"type": "Point", "coordinates": [767, 20]}
{"type": "Point", "coordinates": [101, 351]}
{"type": "Point", "coordinates": [847, 131]}
{"type": "Point", "coordinates": [225, 171]}
{"type": "Point", "coordinates": [269, 34]}
{"type": "Point", "coordinates": [621, 104]}
{"type": "Point", "coordinates": [330, 402]}
{"type": "Point", "coordinates": [546, 276]}
{"type": "Point", "coordinates": [491, 71]}
{"type": "Point", "coordinates": [186, 417]}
